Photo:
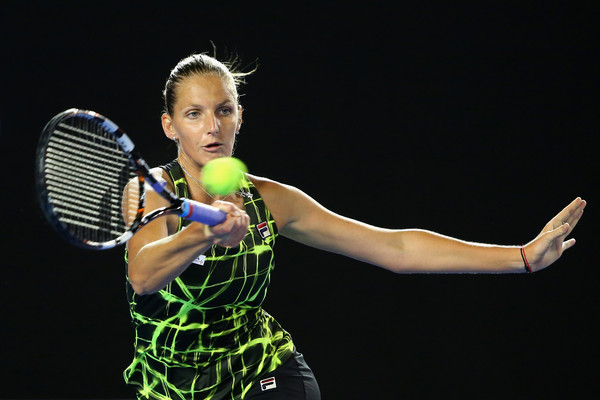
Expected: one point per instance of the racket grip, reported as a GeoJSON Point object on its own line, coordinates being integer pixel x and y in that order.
{"type": "Point", "coordinates": [203, 213]}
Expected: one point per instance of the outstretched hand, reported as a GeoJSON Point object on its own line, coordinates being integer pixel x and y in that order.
{"type": "Point", "coordinates": [549, 245]}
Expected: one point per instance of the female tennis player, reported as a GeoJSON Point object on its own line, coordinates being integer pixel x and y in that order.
{"type": "Point", "coordinates": [195, 291]}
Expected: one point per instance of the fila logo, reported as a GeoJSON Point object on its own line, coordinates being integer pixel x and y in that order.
{"type": "Point", "coordinates": [268, 384]}
{"type": "Point", "coordinates": [263, 230]}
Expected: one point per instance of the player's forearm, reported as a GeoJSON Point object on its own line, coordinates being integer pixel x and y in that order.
{"type": "Point", "coordinates": [158, 263]}
{"type": "Point", "coordinates": [429, 252]}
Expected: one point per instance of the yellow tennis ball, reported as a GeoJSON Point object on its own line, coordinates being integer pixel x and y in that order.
{"type": "Point", "coordinates": [222, 176]}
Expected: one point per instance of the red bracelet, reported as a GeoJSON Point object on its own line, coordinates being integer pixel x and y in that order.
{"type": "Point", "coordinates": [527, 266]}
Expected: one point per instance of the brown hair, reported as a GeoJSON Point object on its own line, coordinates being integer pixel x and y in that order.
{"type": "Point", "coordinates": [201, 64]}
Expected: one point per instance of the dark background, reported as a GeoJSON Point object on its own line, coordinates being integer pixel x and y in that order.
{"type": "Point", "coordinates": [474, 121]}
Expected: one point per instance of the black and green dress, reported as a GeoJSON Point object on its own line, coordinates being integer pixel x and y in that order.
{"type": "Point", "coordinates": [205, 335]}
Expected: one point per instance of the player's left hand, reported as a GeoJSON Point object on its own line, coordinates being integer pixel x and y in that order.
{"type": "Point", "coordinates": [549, 245]}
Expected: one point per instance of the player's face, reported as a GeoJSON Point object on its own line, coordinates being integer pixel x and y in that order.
{"type": "Point", "coordinates": [206, 117]}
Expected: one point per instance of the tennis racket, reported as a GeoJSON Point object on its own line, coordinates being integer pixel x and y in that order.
{"type": "Point", "coordinates": [91, 183]}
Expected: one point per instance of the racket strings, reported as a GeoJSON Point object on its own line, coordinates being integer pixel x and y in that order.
{"type": "Point", "coordinates": [132, 203]}
{"type": "Point", "coordinates": [86, 172]}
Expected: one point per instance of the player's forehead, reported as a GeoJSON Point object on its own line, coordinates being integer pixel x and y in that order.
{"type": "Point", "coordinates": [205, 88]}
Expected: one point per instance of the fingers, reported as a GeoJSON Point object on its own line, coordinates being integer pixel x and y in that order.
{"type": "Point", "coordinates": [229, 208]}
{"type": "Point", "coordinates": [568, 244]}
{"type": "Point", "coordinates": [234, 228]}
{"type": "Point", "coordinates": [558, 234]}
{"type": "Point", "coordinates": [576, 213]}
{"type": "Point", "coordinates": [571, 213]}
{"type": "Point", "coordinates": [552, 235]}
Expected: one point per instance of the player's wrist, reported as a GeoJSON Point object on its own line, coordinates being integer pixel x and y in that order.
{"type": "Point", "coordinates": [526, 266]}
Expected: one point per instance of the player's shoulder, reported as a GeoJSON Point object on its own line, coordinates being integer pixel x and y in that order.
{"type": "Point", "coordinates": [277, 194]}
{"type": "Point", "coordinates": [268, 186]}
{"type": "Point", "coordinates": [259, 181]}
{"type": "Point", "coordinates": [287, 203]}
{"type": "Point", "coordinates": [278, 198]}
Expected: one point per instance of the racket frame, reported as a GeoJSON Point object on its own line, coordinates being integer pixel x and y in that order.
{"type": "Point", "coordinates": [182, 207]}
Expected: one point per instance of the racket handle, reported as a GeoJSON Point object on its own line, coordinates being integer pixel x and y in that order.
{"type": "Point", "coordinates": [203, 213]}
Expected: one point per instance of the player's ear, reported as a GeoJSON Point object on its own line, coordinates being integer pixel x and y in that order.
{"type": "Point", "coordinates": [167, 125]}
{"type": "Point", "coordinates": [239, 122]}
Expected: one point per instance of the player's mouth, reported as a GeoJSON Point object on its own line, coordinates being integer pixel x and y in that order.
{"type": "Point", "coordinates": [213, 147]}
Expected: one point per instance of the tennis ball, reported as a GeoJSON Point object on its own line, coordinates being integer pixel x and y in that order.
{"type": "Point", "coordinates": [222, 176]}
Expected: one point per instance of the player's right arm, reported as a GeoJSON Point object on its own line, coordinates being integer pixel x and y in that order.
{"type": "Point", "coordinates": [157, 253]}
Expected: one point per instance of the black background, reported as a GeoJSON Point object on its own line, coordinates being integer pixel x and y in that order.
{"type": "Point", "coordinates": [473, 121]}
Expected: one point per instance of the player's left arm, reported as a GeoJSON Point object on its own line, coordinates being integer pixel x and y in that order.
{"type": "Point", "coordinates": [302, 219]}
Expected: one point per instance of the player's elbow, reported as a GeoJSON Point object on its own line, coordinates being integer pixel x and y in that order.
{"type": "Point", "coordinates": [137, 286]}
{"type": "Point", "coordinates": [139, 283]}
{"type": "Point", "coordinates": [138, 289]}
